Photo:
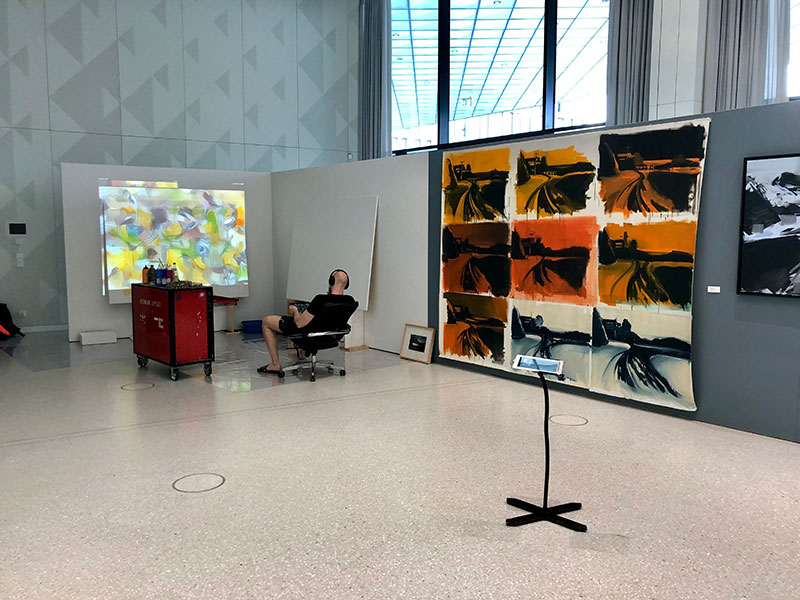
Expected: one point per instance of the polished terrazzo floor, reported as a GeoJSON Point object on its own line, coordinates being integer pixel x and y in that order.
{"type": "Point", "coordinates": [387, 483]}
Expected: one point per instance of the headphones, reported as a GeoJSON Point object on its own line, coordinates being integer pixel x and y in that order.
{"type": "Point", "coordinates": [332, 280]}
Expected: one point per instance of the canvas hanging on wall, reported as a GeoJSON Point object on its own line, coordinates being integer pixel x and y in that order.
{"type": "Point", "coordinates": [769, 246]}
{"type": "Point", "coordinates": [578, 248]}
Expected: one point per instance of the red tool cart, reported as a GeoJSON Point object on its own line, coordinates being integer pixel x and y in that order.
{"type": "Point", "coordinates": [173, 326]}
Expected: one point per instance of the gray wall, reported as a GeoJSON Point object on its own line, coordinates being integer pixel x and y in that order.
{"type": "Point", "coordinates": [246, 85]}
{"type": "Point", "coordinates": [746, 348]}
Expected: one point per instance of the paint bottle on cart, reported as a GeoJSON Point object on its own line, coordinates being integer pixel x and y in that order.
{"type": "Point", "coordinates": [175, 272]}
{"type": "Point", "coordinates": [169, 275]}
{"type": "Point", "coordinates": [151, 275]}
{"type": "Point", "coordinates": [144, 275]}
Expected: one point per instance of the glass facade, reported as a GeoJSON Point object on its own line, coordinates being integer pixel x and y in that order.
{"type": "Point", "coordinates": [581, 57]}
{"type": "Point", "coordinates": [793, 82]}
{"type": "Point", "coordinates": [496, 68]}
{"type": "Point", "coordinates": [415, 59]}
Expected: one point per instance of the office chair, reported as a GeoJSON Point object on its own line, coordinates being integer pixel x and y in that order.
{"type": "Point", "coordinates": [325, 331]}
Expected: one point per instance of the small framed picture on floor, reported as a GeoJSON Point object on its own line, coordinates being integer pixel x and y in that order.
{"type": "Point", "coordinates": [417, 343]}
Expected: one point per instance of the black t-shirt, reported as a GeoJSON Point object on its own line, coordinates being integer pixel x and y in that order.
{"type": "Point", "coordinates": [321, 300]}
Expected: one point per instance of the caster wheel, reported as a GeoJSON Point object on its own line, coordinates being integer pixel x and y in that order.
{"type": "Point", "coordinates": [207, 369]}
{"type": "Point", "coordinates": [313, 378]}
{"type": "Point", "coordinates": [173, 373]}
{"type": "Point", "coordinates": [342, 372]}
{"type": "Point", "coordinates": [142, 360]}
{"type": "Point", "coordinates": [281, 375]}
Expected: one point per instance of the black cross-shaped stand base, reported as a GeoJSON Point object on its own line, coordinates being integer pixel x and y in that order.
{"type": "Point", "coordinates": [538, 513]}
{"type": "Point", "coordinates": [544, 512]}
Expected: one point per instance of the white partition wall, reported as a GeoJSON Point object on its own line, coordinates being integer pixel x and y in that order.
{"type": "Point", "coordinates": [88, 309]}
{"type": "Point", "coordinates": [398, 289]}
{"type": "Point", "coordinates": [336, 234]}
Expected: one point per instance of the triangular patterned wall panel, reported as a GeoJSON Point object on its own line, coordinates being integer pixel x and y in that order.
{"type": "Point", "coordinates": [212, 35]}
{"type": "Point", "coordinates": [270, 72]}
{"type": "Point", "coordinates": [26, 195]}
{"type": "Point", "coordinates": [83, 66]}
{"type": "Point", "coordinates": [161, 83]}
{"type": "Point", "coordinates": [151, 68]}
{"type": "Point", "coordinates": [322, 75]}
{"type": "Point", "coordinates": [23, 73]}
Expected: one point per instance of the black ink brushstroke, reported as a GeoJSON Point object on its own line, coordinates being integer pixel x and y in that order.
{"type": "Point", "coordinates": [678, 145]}
{"type": "Point", "coordinates": [496, 270]}
{"type": "Point", "coordinates": [478, 196]}
{"type": "Point", "coordinates": [788, 180]}
{"type": "Point", "coordinates": [564, 191]}
{"type": "Point", "coordinates": [489, 263]}
{"type": "Point", "coordinates": [651, 171]}
{"type": "Point", "coordinates": [453, 247]}
{"type": "Point", "coordinates": [758, 210]}
{"type": "Point", "coordinates": [634, 366]}
{"type": "Point", "coordinates": [548, 338]}
{"type": "Point", "coordinates": [569, 264]}
{"type": "Point", "coordinates": [484, 336]}
{"type": "Point", "coordinates": [648, 282]}
{"type": "Point", "coordinates": [770, 264]}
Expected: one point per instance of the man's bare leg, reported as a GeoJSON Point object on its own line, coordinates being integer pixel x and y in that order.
{"type": "Point", "coordinates": [269, 326]}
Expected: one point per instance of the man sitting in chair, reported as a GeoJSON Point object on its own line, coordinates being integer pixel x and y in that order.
{"type": "Point", "coordinates": [296, 320]}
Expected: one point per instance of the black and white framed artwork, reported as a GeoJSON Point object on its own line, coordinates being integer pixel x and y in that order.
{"type": "Point", "coordinates": [769, 243]}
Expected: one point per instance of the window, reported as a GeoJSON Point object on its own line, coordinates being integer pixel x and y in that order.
{"type": "Point", "coordinates": [581, 56]}
{"type": "Point", "coordinates": [415, 60]}
{"type": "Point", "coordinates": [793, 82]}
{"type": "Point", "coordinates": [498, 68]}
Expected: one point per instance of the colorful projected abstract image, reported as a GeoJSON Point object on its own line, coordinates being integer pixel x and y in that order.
{"type": "Point", "coordinates": [201, 231]}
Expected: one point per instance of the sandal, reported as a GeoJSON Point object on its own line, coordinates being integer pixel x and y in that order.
{"type": "Point", "coordinates": [270, 371]}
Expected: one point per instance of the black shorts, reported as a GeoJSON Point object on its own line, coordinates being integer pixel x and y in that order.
{"type": "Point", "coordinates": [287, 326]}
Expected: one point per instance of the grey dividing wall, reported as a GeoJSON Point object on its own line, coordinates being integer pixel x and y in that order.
{"type": "Point", "coordinates": [746, 349]}
{"type": "Point", "coordinates": [241, 85]}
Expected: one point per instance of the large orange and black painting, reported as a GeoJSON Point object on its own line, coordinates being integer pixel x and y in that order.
{"type": "Point", "coordinates": [474, 185]}
{"type": "Point", "coordinates": [582, 249]}
{"type": "Point", "coordinates": [647, 264]}
{"type": "Point", "coordinates": [475, 326]}
{"type": "Point", "coordinates": [475, 258]}
{"type": "Point", "coordinates": [651, 171]}
{"type": "Point", "coordinates": [554, 260]}
{"type": "Point", "coordinates": [552, 182]}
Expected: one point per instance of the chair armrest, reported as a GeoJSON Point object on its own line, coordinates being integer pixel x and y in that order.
{"type": "Point", "coordinates": [318, 334]}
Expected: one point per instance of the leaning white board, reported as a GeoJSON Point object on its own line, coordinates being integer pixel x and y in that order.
{"type": "Point", "coordinates": [338, 233]}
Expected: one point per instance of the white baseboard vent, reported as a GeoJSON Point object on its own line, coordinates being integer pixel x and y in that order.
{"type": "Point", "coordinates": [90, 338]}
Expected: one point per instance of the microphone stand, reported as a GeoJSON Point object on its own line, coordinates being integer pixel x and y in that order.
{"type": "Point", "coordinates": [544, 512]}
